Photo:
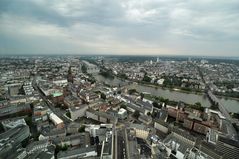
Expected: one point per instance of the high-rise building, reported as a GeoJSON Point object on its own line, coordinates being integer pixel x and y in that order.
{"type": "Point", "coordinates": [70, 76]}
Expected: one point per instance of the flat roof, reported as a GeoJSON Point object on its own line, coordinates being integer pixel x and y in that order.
{"type": "Point", "coordinates": [56, 119]}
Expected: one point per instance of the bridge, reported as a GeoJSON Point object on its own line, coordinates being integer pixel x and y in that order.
{"type": "Point", "coordinates": [221, 107]}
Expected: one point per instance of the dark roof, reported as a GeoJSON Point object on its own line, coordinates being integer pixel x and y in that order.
{"type": "Point", "coordinates": [79, 151]}
{"type": "Point", "coordinates": [146, 105]}
{"type": "Point", "coordinates": [209, 149]}
{"type": "Point", "coordinates": [228, 141]}
{"type": "Point", "coordinates": [161, 122]}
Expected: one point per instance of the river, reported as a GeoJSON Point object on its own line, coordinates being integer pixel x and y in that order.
{"type": "Point", "coordinates": [230, 104]}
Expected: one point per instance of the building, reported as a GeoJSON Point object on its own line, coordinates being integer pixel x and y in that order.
{"type": "Point", "coordinates": [73, 128]}
{"type": "Point", "coordinates": [72, 101]}
{"type": "Point", "coordinates": [122, 114]}
{"type": "Point", "coordinates": [80, 139]}
{"type": "Point", "coordinates": [161, 126]}
{"type": "Point", "coordinates": [210, 150]}
{"type": "Point", "coordinates": [37, 146]}
{"type": "Point", "coordinates": [145, 119]}
{"type": "Point", "coordinates": [104, 137]}
{"type": "Point", "coordinates": [56, 120]}
{"type": "Point", "coordinates": [21, 109]}
{"type": "Point", "coordinates": [51, 133]}
{"type": "Point", "coordinates": [145, 105]}
{"type": "Point", "coordinates": [12, 138]}
{"type": "Point", "coordinates": [178, 142]}
{"type": "Point", "coordinates": [57, 97]}
{"type": "Point", "coordinates": [14, 89]}
{"type": "Point", "coordinates": [78, 112]}
{"type": "Point", "coordinates": [188, 123]}
{"type": "Point", "coordinates": [200, 128]}
{"type": "Point", "coordinates": [78, 153]}
{"type": "Point", "coordinates": [45, 153]}
{"type": "Point", "coordinates": [89, 96]}
{"type": "Point", "coordinates": [60, 82]}
{"type": "Point", "coordinates": [12, 123]}
{"type": "Point", "coordinates": [139, 130]}
{"type": "Point", "coordinates": [101, 116]}
{"type": "Point", "coordinates": [229, 147]}
{"type": "Point", "coordinates": [195, 153]}
{"type": "Point", "coordinates": [40, 110]}
{"type": "Point", "coordinates": [28, 89]}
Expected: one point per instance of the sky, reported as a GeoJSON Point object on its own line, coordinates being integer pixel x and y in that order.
{"type": "Point", "coordinates": [127, 27]}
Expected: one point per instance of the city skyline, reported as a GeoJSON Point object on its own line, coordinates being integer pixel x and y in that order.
{"type": "Point", "coordinates": [207, 28]}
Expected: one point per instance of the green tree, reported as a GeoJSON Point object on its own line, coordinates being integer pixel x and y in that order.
{"type": "Point", "coordinates": [198, 104]}
{"type": "Point", "coordinates": [155, 104]}
{"type": "Point", "coordinates": [123, 106]}
{"type": "Point", "coordinates": [141, 96]}
{"type": "Point", "coordinates": [103, 96]}
{"type": "Point", "coordinates": [123, 76]}
{"type": "Point", "coordinates": [132, 91]}
{"type": "Point", "coordinates": [214, 106]}
{"type": "Point", "coordinates": [81, 129]}
{"type": "Point", "coordinates": [235, 115]}
{"type": "Point", "coordinates": [83, 69]}
{"type": "Point", "coordinates": [154, 114]}
{"type": "Point", "coordinates": [136, 114]}
{"type": "Point", "coordinates": [68, 114]}
{"type": "Point", "coordinates": [146, 78]}
{"type": "Point", "coordinates": [28, 120]}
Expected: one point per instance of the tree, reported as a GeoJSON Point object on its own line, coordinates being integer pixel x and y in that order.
{"type": "Point", "coordinates": [61, 148]}
{"type": "Point", "coordinates": [136, 114]}
{"type": "Point", "coordinates": [141, 96]}
{"type": "Point", "coordinates": [156, 105]}
{"type": "Point", "coordinates": [103, 96]}
{"type": "Point", "coordinates": [154, 114]}
{"type": "Point", "coordinates": [107, 73]}
{"type": "Point", "coordinates": [214, 106]}
{"type": "Point", "coordinates": [81, 129]}
{"type": "Point", "coordinates": [235, 115]}
{"type": "Point", "coordinates": [198, 104]}
{"type": "Point", "coordinates": [28, 120]}
{"type": "Point", "coordinates": [83, 69]}
{"type": "Point", "coordinates": [146, 79]}
{"type": "Point", "coordinates": [123, 76]}
{"type": "Point", "coordinates": [68, 114]}
{"type": "Point", "coordinates": [123, 106]}
{"type": "Point", "coordinates": [132, 91]}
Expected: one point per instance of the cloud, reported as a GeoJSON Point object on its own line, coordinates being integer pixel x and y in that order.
{"type": "Point", "coordinates": [119, 27]}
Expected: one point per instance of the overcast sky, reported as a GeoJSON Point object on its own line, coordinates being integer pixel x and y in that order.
{"type": "Point", "coordinates": [145, 27]}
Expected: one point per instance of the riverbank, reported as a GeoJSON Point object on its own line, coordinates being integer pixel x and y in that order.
{"type": "Point", "coordinates": [171, 89]}
{"type": "Point", "coordinates": [171, 94]}
{"type": "Point", "coordinates": [227, 98]}
{"type": "Point", "coordinates": [177, 89]}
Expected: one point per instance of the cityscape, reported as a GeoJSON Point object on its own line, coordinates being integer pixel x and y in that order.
{"type": "Point", "coordinates": [119, 107]}
{"type": "Point", "coordinates": [119, 79]}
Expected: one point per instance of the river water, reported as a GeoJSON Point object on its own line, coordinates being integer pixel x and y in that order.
{"type": "Point", "coordinates": [230, 104]}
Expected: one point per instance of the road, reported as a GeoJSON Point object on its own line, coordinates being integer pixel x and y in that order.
{"type": "Point", "coordinates": [121, 145]}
